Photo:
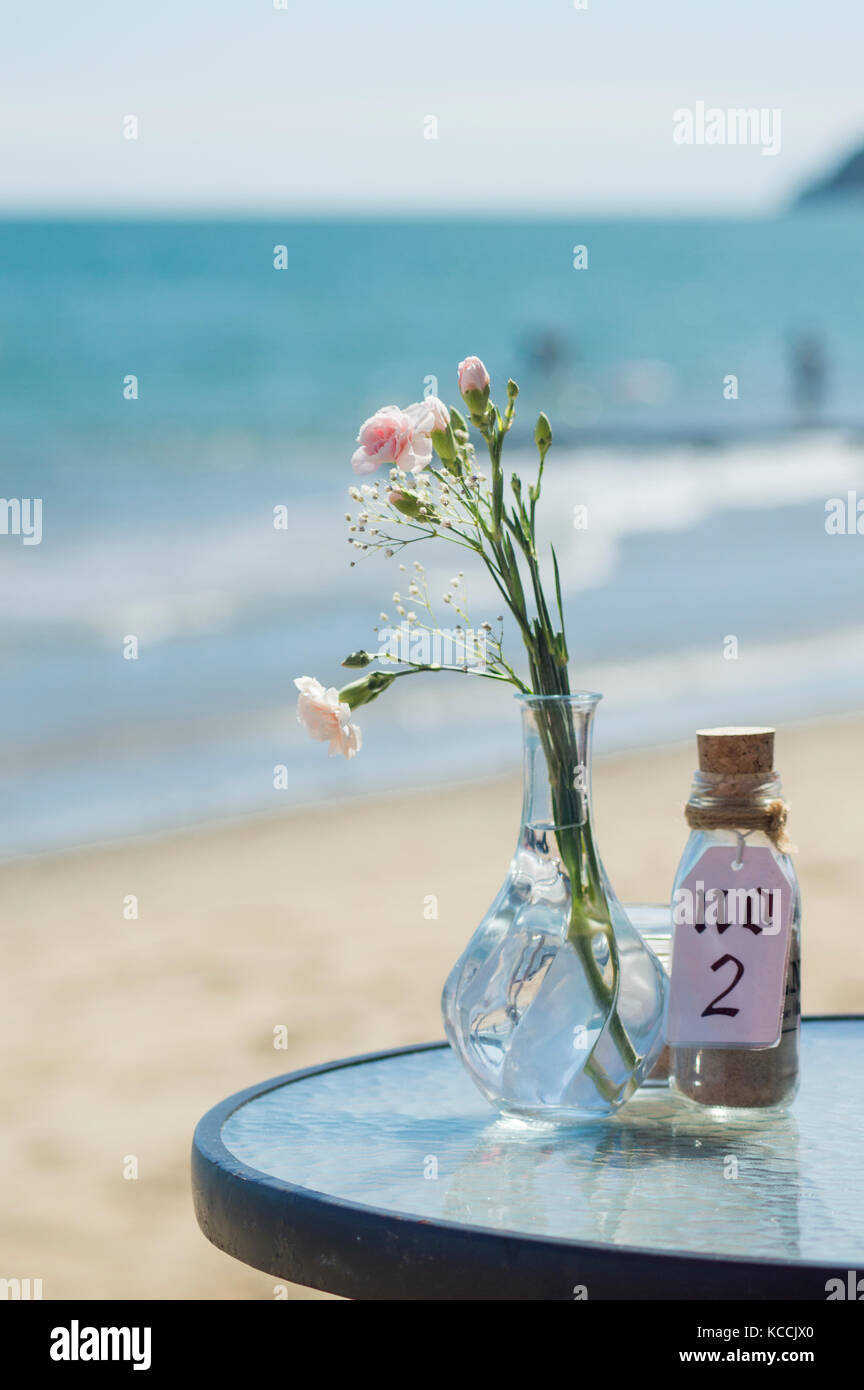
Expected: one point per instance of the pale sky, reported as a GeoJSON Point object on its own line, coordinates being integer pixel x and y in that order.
{"type": "Point", "coordinates": [321, 106]}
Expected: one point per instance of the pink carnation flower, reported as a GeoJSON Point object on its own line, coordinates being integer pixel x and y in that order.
{"type": "Point", "coordinates": [394, 436]}
{"type": "Point", "coordinates": [440, 413]}
{"type": "Point", "coordinates": [325, 717]}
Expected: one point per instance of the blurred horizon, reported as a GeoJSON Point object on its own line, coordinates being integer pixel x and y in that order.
{"type": "Point", "coordinates": [151, 205]}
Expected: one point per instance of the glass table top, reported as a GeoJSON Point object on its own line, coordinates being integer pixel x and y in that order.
{"type": "Point", "coordinates": [409, 1133]}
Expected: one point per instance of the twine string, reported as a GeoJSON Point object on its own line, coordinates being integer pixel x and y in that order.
{"type": "Point", "coordinates": [769, 817]}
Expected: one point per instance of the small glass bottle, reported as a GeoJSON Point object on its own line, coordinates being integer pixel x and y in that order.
{"type": "Point", "coordinates": [736, 803]}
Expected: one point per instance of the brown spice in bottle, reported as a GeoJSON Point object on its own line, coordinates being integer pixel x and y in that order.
{"type": "Point", "coordinates": [662, 1067]}
{"type": "Point", "coordinates": [745, 1078]}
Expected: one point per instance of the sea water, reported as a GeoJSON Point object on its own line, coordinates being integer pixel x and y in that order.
{"type": "Point", "coordinates": [249, 385]}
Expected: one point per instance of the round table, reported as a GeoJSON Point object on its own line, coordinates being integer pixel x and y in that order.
{"type": "Point", "coordinates": [390, 1177]}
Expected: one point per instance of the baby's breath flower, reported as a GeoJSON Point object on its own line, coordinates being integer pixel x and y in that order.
{"type": "Point", "coordinates": [400, 610]}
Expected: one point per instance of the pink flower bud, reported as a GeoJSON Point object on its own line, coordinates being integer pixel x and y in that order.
{"type": "Point", "coordinates": [473, 376]}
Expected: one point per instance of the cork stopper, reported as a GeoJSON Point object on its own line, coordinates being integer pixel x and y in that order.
{"type": "Point", "coordinates": [735, 750]}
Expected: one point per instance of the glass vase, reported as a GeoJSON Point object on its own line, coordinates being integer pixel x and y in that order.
{"type": "Point", "coordinates": [556, 1006]}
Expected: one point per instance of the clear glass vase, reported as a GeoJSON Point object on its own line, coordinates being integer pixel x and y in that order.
{"type": "Point", "coordinates": [556, 1006]}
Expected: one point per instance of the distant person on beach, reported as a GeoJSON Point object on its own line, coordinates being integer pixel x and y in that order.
{"type": "Point", "coordinates": [546, 354]}
{"type": "Point", "coordinates": [808, 370]}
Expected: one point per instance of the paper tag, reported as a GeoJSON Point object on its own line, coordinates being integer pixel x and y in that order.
{"type": "Point", "coordinates": [730, 950]}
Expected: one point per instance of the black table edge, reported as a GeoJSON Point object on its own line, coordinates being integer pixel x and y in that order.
{"type": "Point", "coordinates": [324, 1242]}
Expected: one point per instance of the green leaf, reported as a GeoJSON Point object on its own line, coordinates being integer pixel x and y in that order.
{"type": "Point", "coordinates": [562, 643]}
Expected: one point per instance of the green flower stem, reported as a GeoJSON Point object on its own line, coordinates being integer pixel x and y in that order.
{"type": "Point", "coordinates": [548, 658]}
{"type": "Point", "coordinates": [371, 686]}
{"type": "Point", "coordinates": [588, 902]}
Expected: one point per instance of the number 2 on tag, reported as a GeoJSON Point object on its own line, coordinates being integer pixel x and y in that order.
{"type": "Point", "coordinates": [732, 931]}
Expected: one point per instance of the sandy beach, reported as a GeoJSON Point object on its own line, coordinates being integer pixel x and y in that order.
{"type": "Point", "coordinates": [121, 1032]}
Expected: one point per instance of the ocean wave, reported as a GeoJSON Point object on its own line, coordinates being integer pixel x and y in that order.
{"type": "Point", "coordinates": [173, 579]}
